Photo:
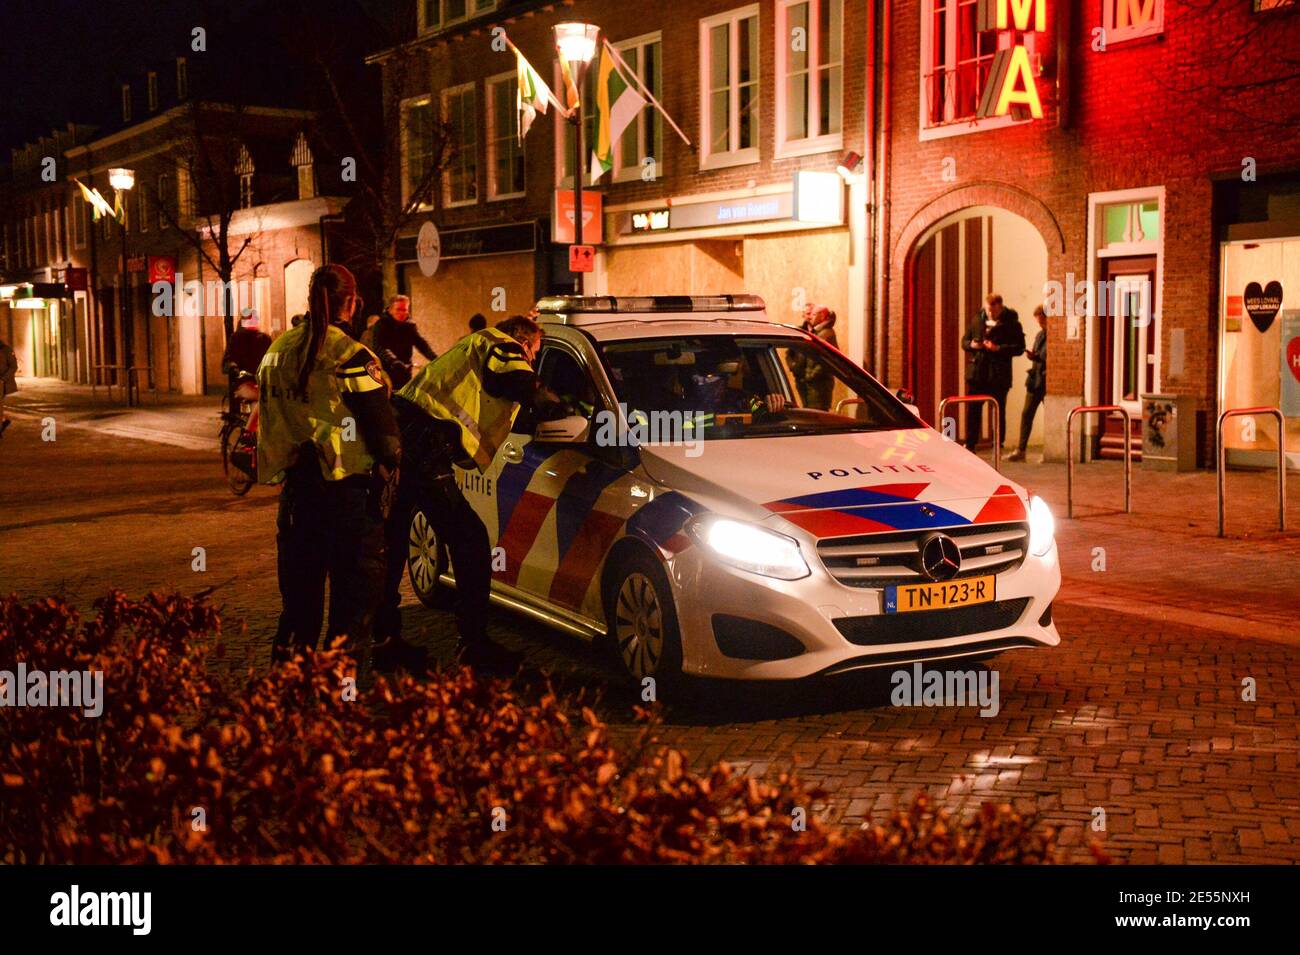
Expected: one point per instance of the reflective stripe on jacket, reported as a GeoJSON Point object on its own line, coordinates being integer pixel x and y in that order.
{"type": "Point", "coordinates": [287, 419]}
{"type": "Point", "coordinates": [452, 389]}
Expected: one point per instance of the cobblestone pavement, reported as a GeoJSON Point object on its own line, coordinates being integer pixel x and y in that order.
{"type": "Point", "coordinates": [1138, 713]}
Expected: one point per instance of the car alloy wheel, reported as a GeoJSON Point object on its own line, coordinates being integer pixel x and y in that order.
{"type": "Point", "coordinates": [425, 562]}
{"type": "Point", "coordinates": [639, 625]}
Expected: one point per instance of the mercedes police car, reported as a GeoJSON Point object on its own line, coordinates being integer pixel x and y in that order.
{"type": "Point", "coordinates": [737, 499]}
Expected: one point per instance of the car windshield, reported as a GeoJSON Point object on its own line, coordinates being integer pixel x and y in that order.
{"type": "Point", "coordinates": [727, 386]}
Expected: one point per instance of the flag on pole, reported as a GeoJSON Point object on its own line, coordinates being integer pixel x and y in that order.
{"type": "Point", "coordinates": [533, 96]}
{"type": "Point", "coordinates": [99, 205]}
{"type": "Point", "coordinates": [567, 74]}
{"type": "Point", "coordinates": [617, 104]}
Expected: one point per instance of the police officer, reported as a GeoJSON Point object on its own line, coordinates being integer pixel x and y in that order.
{"type": "Point", "coordinates": [326, 430]}
{"type": "Point", "coordinates": [457, 411]}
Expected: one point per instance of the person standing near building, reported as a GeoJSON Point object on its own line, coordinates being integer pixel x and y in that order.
{"type": "Point", "coordinates": [814, 377]}
{"type": "Point", "coordinates": [993, 339]}
{"type": "Point", "coordinates": [1035, 384]}
{"type": "Point", "coordinates": [8, 381]}
{"type": "Point", "coordinates": [326, 431]}
{"type": "Point", "coordinates": [457, 411]}
{"type": "Point", "coordinates": [246, 348]}
{"type": "Point", "coordinates": [394, 337]}
{"type": "Point", "coordinates": [477, 322]}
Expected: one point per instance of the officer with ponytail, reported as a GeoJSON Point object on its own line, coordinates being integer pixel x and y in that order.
{"type": "Point", "coordinates": [327, 434]}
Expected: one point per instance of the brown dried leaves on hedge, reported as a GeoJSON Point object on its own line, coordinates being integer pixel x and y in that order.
{"type": "Point", "coordinates": [296, 766]}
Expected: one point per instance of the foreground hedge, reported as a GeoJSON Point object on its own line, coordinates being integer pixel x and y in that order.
{"type": "Point", "coordinates": [299, 766]}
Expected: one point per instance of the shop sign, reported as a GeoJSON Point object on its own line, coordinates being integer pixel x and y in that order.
{"type": "Point", "coordinates": [582, 258]}
{"type": "Point", "coordinates": [1011, 87]}
{"type": "Point", "coordinates": [135, 263]}
{"type": "Point", "coordinates": [162, 268]}
{"type": "Point", "coordinates": [1233, 311]}
{"type": "Point", "coordinates": [652, 220]}
{"type": "Point", "coordinates": [1291, 363]}
{"type": "Point", "coordinates": [1262, 303]}
{"type": "Point", "coordinates": [428, 249]}
{"type": "Point", "coordinates": [1123, 20]}
{"type": "Point", "coordinates": [562, 230]}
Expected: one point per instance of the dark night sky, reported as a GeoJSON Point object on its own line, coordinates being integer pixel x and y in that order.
{"type": "Point", "coordinates": [61, 57]}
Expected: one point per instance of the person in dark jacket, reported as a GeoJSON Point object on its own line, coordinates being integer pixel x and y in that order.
{"type": "Point", "coordinates": [394, 337]}
{"type": "Point", "coordinates": [814, 377]}
{"type": "Point", "coordinates": [477, 322]}
{"type": "Point", "coordinates": [246, 348]}
{"type": "Point", "coordinates": [993, 339]}
{"type": "Point", "coordinates": [1035, 384]}
{"type": "Point", "coordinates": [8, 380]}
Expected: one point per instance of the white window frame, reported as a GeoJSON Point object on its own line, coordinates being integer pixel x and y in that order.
{"type": "Point", "coordinates": [472, 9]}
{"type": "Point", "coordinates": [648, 114]}
{"type": "Point", "coordinates": [494, 137]}
{"type": "Point", "coordinates": [955, 127]}
{"type": "Point", "coordinates": [733, 155]}
{"type": "Point", "coordinates": [405, 146]}
{"type": "Point", "coordinates": [810, 145]}
{"type": "Point", "coordinates": [151, 90]}
{"type": "Point", "coordinates": [447, 201]}
{"type": "Point", "coordinates": [1115, 35]}
{"type": "Point", "coordinates": [80, 220]}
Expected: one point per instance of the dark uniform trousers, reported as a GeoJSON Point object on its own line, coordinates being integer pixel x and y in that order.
{"type": "Point", "coordinates": [328, 530]}
{"type": "Point", "coordinates": [428, 482]}
{"type": "Point", "coordinates": [976, 410]}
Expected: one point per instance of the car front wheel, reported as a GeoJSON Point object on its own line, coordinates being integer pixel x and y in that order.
{"type": "Point", "coordinates": [642, 619]}
{"type": "Point", "coordinates": [426, 562]}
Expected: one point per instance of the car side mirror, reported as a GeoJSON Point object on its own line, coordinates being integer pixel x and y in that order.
{"type": "Point", "coordinates": [571, 430]}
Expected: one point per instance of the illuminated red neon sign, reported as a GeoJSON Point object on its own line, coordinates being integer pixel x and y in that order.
{"type": "Point", "coordinates": [1011, 87]}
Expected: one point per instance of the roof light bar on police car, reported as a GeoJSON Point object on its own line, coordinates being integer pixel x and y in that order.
{"type": "Point", "coordinates": [561, 304]}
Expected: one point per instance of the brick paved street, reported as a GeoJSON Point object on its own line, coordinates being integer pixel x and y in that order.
{"type": "Point", "coordinates": [1138, 712]}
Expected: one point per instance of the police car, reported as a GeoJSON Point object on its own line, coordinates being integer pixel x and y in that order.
{"type": "Point", "coordinates": [736, 499]}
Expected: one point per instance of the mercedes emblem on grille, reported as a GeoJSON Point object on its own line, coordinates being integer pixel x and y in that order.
{"type": "Point", "coordinates": [940, 557]}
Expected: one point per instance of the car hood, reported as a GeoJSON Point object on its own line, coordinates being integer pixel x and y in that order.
{"type": "Point", "coordinates": [834, 485]}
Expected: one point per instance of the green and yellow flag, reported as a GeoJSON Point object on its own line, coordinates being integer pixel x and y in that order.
{"type": "Point", "coordinates": [99, 205]}
{"type": "Point", "coordinates": [617, 104]}
{"type": "Point", "coordinates": [534, 94]}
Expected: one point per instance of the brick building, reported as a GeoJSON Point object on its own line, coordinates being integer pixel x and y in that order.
{"type": "Point", "coordinates": [1149, 169]}
{"type": "Point", "coordinates": [753, 204]}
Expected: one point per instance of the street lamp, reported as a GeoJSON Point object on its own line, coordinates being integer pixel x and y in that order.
{"type": "Point", "coordinates": [576, 42]}
{"type": "Point", "coordinates": [123, 180]}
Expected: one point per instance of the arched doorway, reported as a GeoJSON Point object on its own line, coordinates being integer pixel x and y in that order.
{"type": "Point", "coordinates": [954, 265]}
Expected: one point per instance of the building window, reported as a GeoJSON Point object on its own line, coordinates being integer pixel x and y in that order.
{"type": "Point", "coordinates": [810, 75]}
{"type": "Point", "coordinates": [956, 62]}
{"type": "Point", "coordinates": [164, 196]}
{"type": "Point", "coordinates": [505, 151]}
{"type": "Point", "coordinates": [245, 169]}
{"type": "Point", "coordinates": [642, 141]}
{"type": "Point", "coordinates": [186, 207]}
{"type": "Point", "coordinates": [143, 199]}
{"type": "Point", "coordinates": [303, 160]}
{"type": "Point", "coordinates": [151, 88]}
{"type": "Point", "coordinates": [417, 150]}
{"type": "Point", "coordinates": [182, 78]}
{"type": "Point", "coordinates": [461, 181]}
{"type": "Point", "coordinates": [436, 14]}
{"type": "Point", "coordinates": [729, 88]}
{"type": "Point", "coordinates": [126, 103]}
{"type": "Point", "coordinates": [79, 210]}
{"type": "Point", "coordinates": [1132, 19]}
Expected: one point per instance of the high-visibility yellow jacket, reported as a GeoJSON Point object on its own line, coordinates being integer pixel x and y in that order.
{"type": "Point", "coordinates": [453, 389]}
{"type": "Point", "coordinates": [288, 419]}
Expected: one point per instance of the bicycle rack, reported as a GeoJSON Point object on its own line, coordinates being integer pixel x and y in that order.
{"type": "Point", "coordinates": [996, 426]}
{"type": "Point", "coordinates": [1069, 453]}
{"type": "Point", "coordinates": [1276, 414]}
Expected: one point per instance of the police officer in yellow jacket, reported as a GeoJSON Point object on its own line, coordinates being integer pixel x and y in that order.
{"type": "Point", "coordinates": [326, 431]}
{"type": "Point", "coordinates": [457, 411]}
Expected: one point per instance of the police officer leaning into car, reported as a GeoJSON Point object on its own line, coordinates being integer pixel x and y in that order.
{"type": "Point", "coordinates": [458, 410]}
{"type": "Point", "coordinates": [326, 431]}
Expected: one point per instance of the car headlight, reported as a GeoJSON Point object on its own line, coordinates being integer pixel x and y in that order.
{"type": "Point", "coordinates": [1042, 527]}
{"type": "Point", "coordinates": [750, 547]}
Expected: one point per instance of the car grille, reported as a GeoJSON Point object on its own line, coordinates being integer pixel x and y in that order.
{"type": "Point", "coordinates": [888, 628]}
{"type": "Point", "coordinates": [879, 560]}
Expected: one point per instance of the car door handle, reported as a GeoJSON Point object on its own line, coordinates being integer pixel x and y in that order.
{"type": "Point", "coordinates": [512, 453]}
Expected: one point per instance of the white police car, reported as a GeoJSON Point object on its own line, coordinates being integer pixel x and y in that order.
{"type": "Point", "coordinates": [743, 501]}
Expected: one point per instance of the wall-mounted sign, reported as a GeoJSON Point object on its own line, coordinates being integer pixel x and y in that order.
{"type": "Point", "coordinates": [1233, 310]}
{"type": "Point", "coordinates": [1291, 363]}
{"type": "Point", "coordinates": [1262, 304]}
{"type": "Point", "coordinates": [1011, 87]}
{"type": "Point", "coordinates": [1123, 20]}
{"type": "Point", "coordinates": [592, 221]}
{"type": "Point", "coordinates": [483, 240]}
{"type": "Point", "coordinates": [582, 258]}
{"type": "Point", "coordinates": [428, 249]}
{"type": "Point", "coordinates": [162, 268]}
{"type": "Point", "coordinates": [819, 197]}
{"type": "Point", "coordinates": [652, 220]}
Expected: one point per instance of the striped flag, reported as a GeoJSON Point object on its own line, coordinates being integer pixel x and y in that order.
{"type": "Point", "coordinates": [534, 95]}
{"type": "Point", "coordinates": [99, 204]}
{"type": "Point", "coordinates": [617, 104]}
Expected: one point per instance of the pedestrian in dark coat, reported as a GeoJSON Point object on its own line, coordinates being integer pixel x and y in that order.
{"type": "Point", "coordinates": [1035, 384]}
{"type": "Point", "coordinates": [992, 341]}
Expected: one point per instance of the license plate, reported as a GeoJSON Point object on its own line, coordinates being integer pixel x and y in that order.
{"type": "Point", "coordinates": [939, 596]}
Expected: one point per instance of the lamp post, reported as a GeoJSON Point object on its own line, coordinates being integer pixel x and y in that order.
{"type": "Point", "coordinates": [576, 42]}
{"type": "Point", "coordinates": [123, 180]}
